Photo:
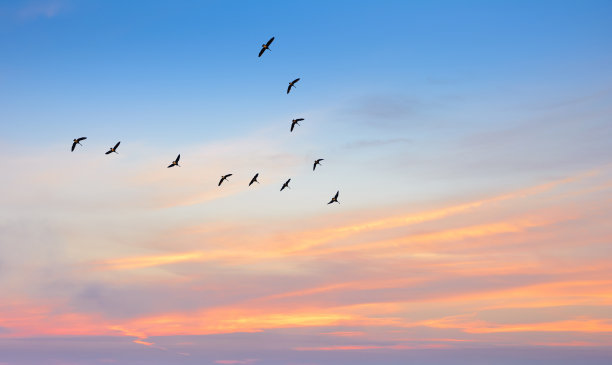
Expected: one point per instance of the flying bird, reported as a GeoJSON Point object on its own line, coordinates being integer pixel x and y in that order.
{"type": "Point", "coordinates": [113, 149]}
{"type": "Point", "coordinates": [294, 122]}
{"type": "Point", "coordinates": [335, 198]}
{"type": "Point", "coordinates": [77, 141]}
{"type": "Point", "coordinates": [175, 162]}
{"type": "Point", "coordinates": [223, 178]}
{"type": "Point", "coordinates": [254, 179]}
{"type": "Point", "coordinates": [292, 84]}
{"type": "Point", "coordinates": [285, 185]}
{"type": "Point", "coordinates": [266, 46]}
{"type": "Point", "coordinates": [317, 162]}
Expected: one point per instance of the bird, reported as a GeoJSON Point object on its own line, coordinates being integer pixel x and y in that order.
{"type": "Point", "coordinates": [223, 178]}
{"type": "Point", "coordinates": [254, 179]}
{"type": "Point", "coordinates": [294, 122]}
{"type": "Point", "coordinates": [335, 198]}
{"type": "Point", "coordinates": [266, 46]}
{"type": "Point", "coordinates": [175, 162]}
{"type": "Point", "coordinates": [113, 149]}
{"type": "Point", "coordinates": [77, 141]}
{"type": "Point", "coordinates": [292, 84]}
{"type": "Point", "coordinates": [317, 162]}
{"type": "Point", "coordinates": [285, 185]}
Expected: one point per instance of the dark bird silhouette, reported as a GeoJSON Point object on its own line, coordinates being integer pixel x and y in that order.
{"type": "Point", "coordinates": [317, 162]}
{"type": "Point", "coordinates": [175, 162]}
{"type": "Point", "coordinates": [266, 46]}
{"type": "Point", "coordinates": [223, 178]}
{"type": "Point", "coordinates": [77, 141]}
{"type": "Point", "coordinates": [285, 185]}
{"type": "Point", "coordinates": [294, 122]}
{"type": "Point", "coordinates": [113, 149]}
{"type": "Point", "coordinates": [292, 84]}
{"type": "Point", "coordinates": [254, 179]}
{"type": "Point", "coordinates": [335, 198]}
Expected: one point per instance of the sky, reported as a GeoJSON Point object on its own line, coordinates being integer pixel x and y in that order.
{"type": "Point", "coordinates": [471, 143]}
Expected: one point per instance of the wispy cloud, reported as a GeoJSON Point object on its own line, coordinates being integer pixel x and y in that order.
{"type": "Point", "coordinates": [41, 9]}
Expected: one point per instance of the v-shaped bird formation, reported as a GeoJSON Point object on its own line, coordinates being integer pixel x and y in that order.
{"type": "Point", "coordinates": [294, 122]}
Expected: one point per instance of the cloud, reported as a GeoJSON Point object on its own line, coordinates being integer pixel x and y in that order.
{"type": "Point", "coordinates": [382, 107]}
{"type": "Point", "coordinates": [41, 9]}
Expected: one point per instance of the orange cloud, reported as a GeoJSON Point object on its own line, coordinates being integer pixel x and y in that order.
{"type": "Point", "coordinates": [469, 324]}
{"type": "Point", "coordinates": [148, 261]}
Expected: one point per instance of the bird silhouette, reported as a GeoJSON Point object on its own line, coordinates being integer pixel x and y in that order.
{"type": "Point", "coordinates": [223, 178]}
{"type": "Point", "coordinates": [285, 185]}
{"type": "Point", "coordinates": [292, 84]}
{"type": "Point", "coordinates": [254, 179]}
{"type": "Point", "coordinates": [266, 46]}
{"type": "Point", "coordinates": [335, 198]}
{"type": "Point", "coordinates": [113, 149]}
{"type": "Point", "coordinates": [76, 141]}
{"type": "Point", "coordinates": [317, 162]}
{"type": "Point", "coordinates": [294, 122]}
{"type": "Point", "coordinates": [175, 162]}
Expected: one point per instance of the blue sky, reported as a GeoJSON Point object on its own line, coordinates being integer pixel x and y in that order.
{"type": "Point", "coordinates": [470, 142]}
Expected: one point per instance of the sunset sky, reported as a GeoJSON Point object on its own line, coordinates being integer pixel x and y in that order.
{"type": "Point", "coordinates": [471, 142]}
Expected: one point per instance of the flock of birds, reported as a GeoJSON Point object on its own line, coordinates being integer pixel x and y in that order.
{"type": "Point", "coordinates": [294, 122]}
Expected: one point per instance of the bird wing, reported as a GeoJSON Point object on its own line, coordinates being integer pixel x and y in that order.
{"type": "Point", "coordinates": [80, 139]}
{"type": "Point", "coordinates": [314, 166]}
{"type": "Point", "coordinates": [170, 165]}
{"type": "Point", "coordinates": [178, 158]}
{"type": "Point", "coordinates": [228, 175]}
{"type": "Point", "coordinates": [73, 146]}
{"type": "Point", "coordinates": [107, 152]}
{"type": "Point", "coordinates": [299, 119]}
{"type": "Point", "coordinates": [117, 145]}
{"type": "Point", "coordinates": [270, 41]}
{"type": "Point", "coordinates": [336, 196]}
{"type": "Point", "coordinates": [296, 80]}
{"type": "Point", "coordinates": [220, 181]}
{"type": "Point", "coordinates": [292, 125]}
{"type": "Point", "coordinates": [289, 88]}
{"type": "Point", "coordinates": [261, 52]}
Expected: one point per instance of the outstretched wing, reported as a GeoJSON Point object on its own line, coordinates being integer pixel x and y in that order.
{"type": "Point", "coordinates": [73, 146]}
{"type": "Point", "coordinates": [270, 41]}
{"type": "Point", "coordinates": [107, 152]}
{"type": "Point", "coordinates": [169, 166]}
{"type": "Point", "coordinates": [336, 196]}
{"type": "Point", "coordinates": [289, 88]}
{"type": "Point", "coordinates": [261, 52]}
{"type": "Point", "coordinates": [220, 181]}
{"type": "Point", "coordinates": [299, 119]}
{"type": "Point", "coordinates": [296, 80]}
{"type": "Point", "coordinates": [117, 145]}
{"type": "Point", "coordinates": [292, 126]}
{"type": "Point", "coordinates": [314, 166]}
{"type": "Point", "coordinates": [178, 158]}
{"type": "Point", "coordinates": [80, 139]}
{"type": "Point", "coordinates": [228, 175]}
{"type": "Point", "coordinates": [254, 178]}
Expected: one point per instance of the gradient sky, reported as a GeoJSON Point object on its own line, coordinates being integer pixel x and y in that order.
{"type": "Point", "coordinates": [471, 142]}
